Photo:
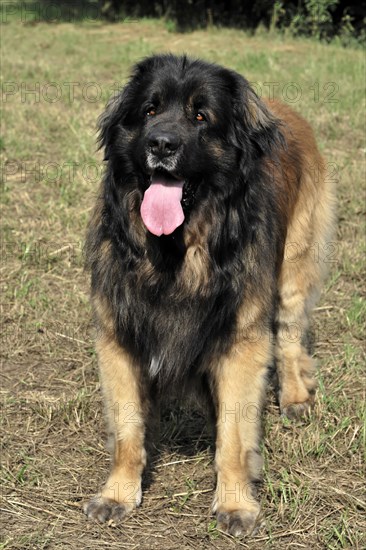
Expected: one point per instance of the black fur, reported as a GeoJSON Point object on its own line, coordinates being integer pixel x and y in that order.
{"type": "Point", "coordinates": [156, 315]}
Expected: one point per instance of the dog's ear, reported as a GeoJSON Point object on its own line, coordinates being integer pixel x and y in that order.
{"type": "Point", "coordinates": [257, 131]}
{"type": "Point", "coordinates": [123, 107]}
{"type": "Point", "coordinates": [111, 120]}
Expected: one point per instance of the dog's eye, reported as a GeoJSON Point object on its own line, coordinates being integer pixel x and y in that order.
{"type": "Point", "coordinates": [151, 111]}
{"type": "Point", "coordinates": [200, 117]}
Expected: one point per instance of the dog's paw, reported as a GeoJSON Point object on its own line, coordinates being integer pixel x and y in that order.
{"type": "Point", "coordinates": [239, 522]}
{"type": "Point", "coordinates": [298, 411]}
{"type": "Point", "coordinates": [106, 510]}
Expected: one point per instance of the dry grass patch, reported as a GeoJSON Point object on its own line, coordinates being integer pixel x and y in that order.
{"type": "Point", "coordinates": [53, 454]}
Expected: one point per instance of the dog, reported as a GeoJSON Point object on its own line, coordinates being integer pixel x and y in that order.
{"type": "Point", "coordinates": [203, 272]}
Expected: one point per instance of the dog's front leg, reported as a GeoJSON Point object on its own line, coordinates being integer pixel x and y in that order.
{"type": "Point", "coordinates": [240, 383]}
{"type": "Point", "coordinates": [126, 411]}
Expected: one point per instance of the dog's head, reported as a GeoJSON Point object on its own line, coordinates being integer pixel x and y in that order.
{"type": "Point", "coordinates": [182, 127]}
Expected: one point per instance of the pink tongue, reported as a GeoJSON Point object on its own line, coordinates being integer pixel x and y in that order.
{"type": "Point", "coordinates": [161, 210]}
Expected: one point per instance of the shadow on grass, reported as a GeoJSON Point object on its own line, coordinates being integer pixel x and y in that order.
{"type": "Point", "coordinates": [181, 431]}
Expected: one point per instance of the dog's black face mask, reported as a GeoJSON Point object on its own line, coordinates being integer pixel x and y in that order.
{"type": "Point", "coordinates": [181, 115]}
{"type": "Point", "coordinates": [177, 125]}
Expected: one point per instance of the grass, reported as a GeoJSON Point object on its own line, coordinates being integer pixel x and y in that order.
{"type": "Point", "coordinates": [53, 456]}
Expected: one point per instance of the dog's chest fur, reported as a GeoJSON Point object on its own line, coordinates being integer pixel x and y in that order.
{"type": "Point", "coordinates": [176, 317]}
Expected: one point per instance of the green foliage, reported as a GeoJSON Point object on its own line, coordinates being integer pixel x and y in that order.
{"type": "Point", "coordinates": [320, 19]}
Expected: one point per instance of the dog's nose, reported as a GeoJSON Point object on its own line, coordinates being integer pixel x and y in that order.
{"type": "Point", "coordinates": [163, 144]}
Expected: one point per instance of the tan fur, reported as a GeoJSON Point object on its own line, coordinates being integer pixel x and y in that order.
{"type": "Point", "coordinates": [310, 228]}
{"type": "Point", "coordinates": [126, 420]}
{"type": "Point", "coordinates": [217, 149]}
{"type": "Point", "coordinates": [103, 316]}
{"type": "Point", "coordinates": [240, 383]}
{"type": "Point", "coordinates": [195, 275]}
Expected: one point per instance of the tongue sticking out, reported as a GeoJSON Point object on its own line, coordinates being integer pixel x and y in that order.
{"type": "Point", "coordinates": [161, 210]}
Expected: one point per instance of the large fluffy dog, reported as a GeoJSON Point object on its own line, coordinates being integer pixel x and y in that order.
{"type": "Point", "coordinates": [205, 250]}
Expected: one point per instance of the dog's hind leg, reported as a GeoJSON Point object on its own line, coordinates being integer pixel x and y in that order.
{"type": "Point", "coordinates": [308, 249]}
{"type": "Point", "coordinates": [295, 367]}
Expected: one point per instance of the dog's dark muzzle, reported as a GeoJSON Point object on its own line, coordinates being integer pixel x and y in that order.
{"type": "Point", "coordinates": [163, 144]}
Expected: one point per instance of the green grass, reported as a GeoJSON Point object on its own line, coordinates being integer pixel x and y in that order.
{"type": "Point", "coordinates": [53, 455]}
